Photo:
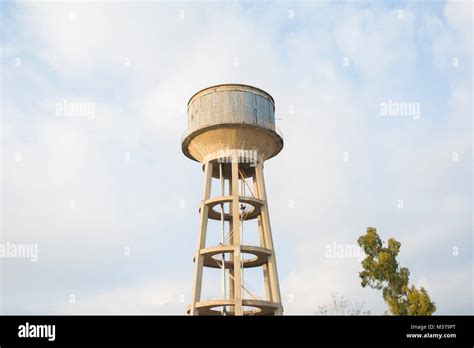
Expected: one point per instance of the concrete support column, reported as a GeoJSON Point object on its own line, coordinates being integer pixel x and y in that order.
{"type": "Point", "coordinates": [236, 236]}
{"type": "Point", "coordinates": [231, 256]}
{"type": "Point", "coordinates": [261, 237]}
{"type": "Point", "coordinates": [198, 258]}
{"type": "Point", "coordinates": [267, 238]}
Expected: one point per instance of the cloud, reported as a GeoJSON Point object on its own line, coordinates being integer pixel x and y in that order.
{"type": "Point", "coordinates": [165, 296]}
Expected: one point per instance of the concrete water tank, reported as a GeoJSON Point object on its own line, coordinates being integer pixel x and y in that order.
{"type": "Point", "coordinates": [231, 116]}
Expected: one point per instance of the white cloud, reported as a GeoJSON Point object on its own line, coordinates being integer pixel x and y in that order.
{"type": "Point", "coordinates": [165, 296]}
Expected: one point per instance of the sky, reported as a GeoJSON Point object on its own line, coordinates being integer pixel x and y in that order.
{"type": "Point", "coordinates": [106, 196]}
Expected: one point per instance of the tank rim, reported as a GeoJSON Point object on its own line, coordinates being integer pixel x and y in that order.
{"type": "Point", "coordinates": [231, 84]}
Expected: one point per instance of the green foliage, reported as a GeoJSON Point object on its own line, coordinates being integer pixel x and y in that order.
{"type": "Point", "coordinates": [381, 271]}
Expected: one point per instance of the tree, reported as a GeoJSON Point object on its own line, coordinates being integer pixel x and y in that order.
{"type": "Point", "coordinates": [381, 271]}
{"type": "Point", "coordinates": [340, 305]}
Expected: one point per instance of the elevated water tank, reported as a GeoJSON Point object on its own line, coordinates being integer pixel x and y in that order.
{"type": "Point", "coordinates": [231, 116]}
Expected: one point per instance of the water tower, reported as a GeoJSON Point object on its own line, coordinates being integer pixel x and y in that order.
{"type": "Point", "coordinates": [231, 131]}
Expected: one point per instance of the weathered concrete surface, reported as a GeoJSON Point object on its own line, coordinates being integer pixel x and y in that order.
{"type": "Point", "coordinates": [232, 117]}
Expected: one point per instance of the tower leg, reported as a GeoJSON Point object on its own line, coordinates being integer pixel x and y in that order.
{"type": "Point", "coordinates": [267, 236]}
{"type": "Point", "coordinates": [231, 256]}
{"type": "Point", "coordinates": [266, 277]}
{"type": "Point", "coordinates": [199, 259]}
{"type": "Point", "coordinates": [236, 236]}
